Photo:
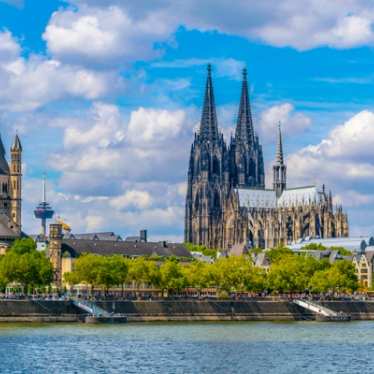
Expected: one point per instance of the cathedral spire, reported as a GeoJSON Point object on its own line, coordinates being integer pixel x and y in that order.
{"type": "Point", "coordinates": [244, 128]}
{"type": "Point", "coordinates": [4, 168]}
{"type": "Point", "coordinates": [208, 125]}
{"type": "Point", "coordinates": [279, 168]}
{"type": "Point", "coordinates": [279, 150]}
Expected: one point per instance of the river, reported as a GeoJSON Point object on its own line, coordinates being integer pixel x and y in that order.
{"type": "Point", "coordinates": [237, 347]}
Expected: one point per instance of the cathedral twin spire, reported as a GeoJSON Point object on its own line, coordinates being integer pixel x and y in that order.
{"type": "Point", "coordinates": [243, 160]}
{"type": "Point", "coordinates": [208, 125]}
{"type": "Point", "coordinates": [244, 128]}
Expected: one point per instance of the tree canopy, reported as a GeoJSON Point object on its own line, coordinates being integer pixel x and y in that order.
{"type": "Point", "coordinates": [23, 264]}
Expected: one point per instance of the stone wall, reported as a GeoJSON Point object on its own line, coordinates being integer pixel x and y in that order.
{"type": "Point", "coordinates": [136, 311]}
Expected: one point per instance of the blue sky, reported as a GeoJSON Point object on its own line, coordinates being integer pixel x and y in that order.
{"type": "Point", "coordinates": [106, 95]}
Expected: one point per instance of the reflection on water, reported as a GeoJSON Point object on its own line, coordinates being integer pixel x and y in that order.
{"type": "Point", "coordinates": [238, 347]}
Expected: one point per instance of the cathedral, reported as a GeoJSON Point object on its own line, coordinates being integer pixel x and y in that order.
{"type": "Point", "coordinates": [10, 193]}
{"type": "Point", "coordinates": [227, 203]}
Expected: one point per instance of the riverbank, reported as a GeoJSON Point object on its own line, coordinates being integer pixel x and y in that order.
{"type": "Point", "coordinates": [188, 310]}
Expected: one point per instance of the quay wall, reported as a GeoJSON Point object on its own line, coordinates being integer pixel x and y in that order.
{"type": "Point", "coordinates": [188, 310]}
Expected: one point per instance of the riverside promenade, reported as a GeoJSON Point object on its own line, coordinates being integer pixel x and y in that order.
{"type": "Point", "coordinates": [179, 310]}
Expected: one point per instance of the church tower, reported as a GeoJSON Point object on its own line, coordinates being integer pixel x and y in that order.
{"type": "Point", "coordinates": [279, 168]}
{"type": "Point", "coordinates": [4, 182]}
{"type": "Point", "coordinates": [246, 151]}
{"type": "Point", "coordinates": [208, 178]}
{"type": "Point", "coordinates": [16, 182]}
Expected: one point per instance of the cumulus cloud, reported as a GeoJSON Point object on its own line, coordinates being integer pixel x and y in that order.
{"type": "Point", "coordinates": [150, 146]}
{"type": "Point", "coordinates": [132, 198]}
{"type": "Point", "coordinates": [154, 125]}
{"type": "Point", "coordinates": [344, 157]}
{"type": "Point", "coordinates": [30, 83]}
{"type": "Point", "coordinates": [292, 122]}
{"type": "Point", "coordinates": [126, 213]}
{"type": "Point", "coordinates": [104, 31]}
{"type": "Point", "coordinates": [107, 128]}
{"type": "Point", "coordinates": [105, 34]}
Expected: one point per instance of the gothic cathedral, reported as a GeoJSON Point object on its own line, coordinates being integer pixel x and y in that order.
{"type": "Point", "coordinates": [227, 203]}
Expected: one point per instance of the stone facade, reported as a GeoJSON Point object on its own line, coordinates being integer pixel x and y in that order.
{"type": "Point", "coordinates": [212, 210]}
{"type": "Point", "coordinates": [364, 265]}
{"type": "Point", "coordinates": [10, 192]}
{"type": "Point", "coordinates": [227, 203]}
{"type": "Point", "coordinates": [54, 251]}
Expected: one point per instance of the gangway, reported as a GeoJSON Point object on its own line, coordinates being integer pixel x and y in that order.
{"type": "Point", "coordinates": [98, 314]}
{"type": "Point", "coordinates": [322, 313]}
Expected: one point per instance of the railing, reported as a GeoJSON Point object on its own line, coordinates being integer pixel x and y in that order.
{"type": "Point", "coordinates": [315, 308]}
{"type": "Point", "coordinates": [91, 308]}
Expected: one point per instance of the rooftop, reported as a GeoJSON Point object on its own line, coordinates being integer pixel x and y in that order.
{"type": "Point", "coordinates": [128, 249]}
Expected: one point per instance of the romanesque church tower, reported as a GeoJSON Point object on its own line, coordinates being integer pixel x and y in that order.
{"type": "Point", "coordinates": [10, 191]}
{"type": "Point", "coordinates": [16, 181]}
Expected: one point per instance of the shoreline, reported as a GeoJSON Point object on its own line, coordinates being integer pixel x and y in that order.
{"type": "Point", "coordinates": [53, 311]}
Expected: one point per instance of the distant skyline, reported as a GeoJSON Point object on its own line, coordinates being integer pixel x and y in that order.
{"type": "Point", "coordinates": [106, 95]}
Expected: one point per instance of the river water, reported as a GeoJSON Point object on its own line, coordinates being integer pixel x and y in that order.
{"type": "Point", "coordinates": [232, 347]}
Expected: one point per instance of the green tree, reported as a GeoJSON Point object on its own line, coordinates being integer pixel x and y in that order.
{"type": "Point", "coordinates": [23, 264]}
{"type": "Point", "coordinates": [86, 270]}
{"type": "Point", "coordinates": [21, 246]}
{"type": "Point", "coordinates": [198, 274]}
{"type": "Point", "coordinates": [314, 247]}
{"type": "Point", "coordinates": [342, 251]}
{"type": "Point", "coordinates": [211, 252]}
{"type": "Point", "coordinates": [339, 277]}
{"type": "Point", "coordinates": [293, 273]}
{"type": "Point", "coordinates": [237, 273]}
{"type": "Point", "coordinates": [172, 277]}
{"type": "Point", "coordinates": [139, 271]}
{"type": "Point", "coordinates": [277, 254]}
{"type": "Point", "coordinates": [119, 268]}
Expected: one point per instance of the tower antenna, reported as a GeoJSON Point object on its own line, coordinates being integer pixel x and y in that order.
{"type": "Point", "coordinates": [44, 210]}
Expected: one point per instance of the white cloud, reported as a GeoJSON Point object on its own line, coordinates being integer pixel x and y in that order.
{"type": "Point", "coordinates": [150, 126]}
{"type": "Point", "coordinates": [107, 128]}
{"type": "Point", "coordinates": [30, 83]}
{"type": "Point", "coordinates": [344, 157]}
{"type": "Point", "coordinates": [292, 122]}
{"type": "Point", "coordinates": [95, 28]}
{"type": "Point", "coordinates": [132, 198]}
{"type": "Point", "coordinates": [9, 48]}
{"type": "Point", "coordinates": [104, 34]}
{"type": "Point", "coordinates": [150, 146]}
{"type": "Point", "coordinates": [133, 209]}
